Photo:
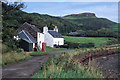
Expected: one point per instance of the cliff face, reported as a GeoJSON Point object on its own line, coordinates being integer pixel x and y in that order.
{"type": "Point", "coordinates": [81, 15]}
{"type": "Point", "coordinates": [87, 14]}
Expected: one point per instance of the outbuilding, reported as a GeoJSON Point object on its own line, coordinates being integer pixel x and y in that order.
{"type": "Point", "coordinates": [27, 42]}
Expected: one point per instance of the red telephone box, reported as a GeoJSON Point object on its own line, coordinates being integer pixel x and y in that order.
{"type": "Point", "coordinates": [43, 47]}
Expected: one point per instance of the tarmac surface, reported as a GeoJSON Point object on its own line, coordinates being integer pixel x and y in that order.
{"type": "Point", "coordinates": [27, 68]}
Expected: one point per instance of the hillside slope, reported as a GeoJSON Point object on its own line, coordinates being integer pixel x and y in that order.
{"type": "Point", "coordinates": [89, 21]}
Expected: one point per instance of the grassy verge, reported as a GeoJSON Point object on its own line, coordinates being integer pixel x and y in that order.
{"type": "Point", "coordinates": [98, 41]}
{"type": "Point", "coordinates": [13, 57]}
{"type": "Point", "coordinates": [48, 50]}
{"type": "Point", "coordinates": [62, 66]}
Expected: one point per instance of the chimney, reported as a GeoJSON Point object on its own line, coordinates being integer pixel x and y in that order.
{"type": "Point", "coordinates": [45, 29]}
{"type": "Point", "coordinates": [56, 29]}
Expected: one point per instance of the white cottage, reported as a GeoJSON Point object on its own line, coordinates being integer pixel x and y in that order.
{"type": "Point", "coordinates": [51, 37]}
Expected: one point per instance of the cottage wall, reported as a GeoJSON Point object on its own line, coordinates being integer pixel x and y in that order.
{"type": "Point", "coordinates": [40, 39]}
{"type": "Point", "coordinates": [48, 39]}
{"type": "Point", "coordinates": [58, 41]}
{"type": "Point", "coordinates": [33, 45]}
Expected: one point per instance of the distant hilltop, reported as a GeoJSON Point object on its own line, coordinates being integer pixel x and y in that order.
{"type": "Point", "coordinates": [82, 15]}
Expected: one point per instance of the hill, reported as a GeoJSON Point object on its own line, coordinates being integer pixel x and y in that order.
{"type": "Point", "coordinates": [89, 21]}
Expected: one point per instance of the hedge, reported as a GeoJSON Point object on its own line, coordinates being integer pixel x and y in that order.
{"type": "Point", "coordinates": [77, 45]}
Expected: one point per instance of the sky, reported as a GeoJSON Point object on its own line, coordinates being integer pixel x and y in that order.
{"type": "Point", "coordinates": [107, 10]}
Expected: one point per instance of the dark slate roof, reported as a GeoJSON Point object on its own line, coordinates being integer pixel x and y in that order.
{"type": "Point", "coordinates": [32, 26]}
{"type": "Point", "coordinates": [27, 37]}
{"type": "Point", "coordinates": [55, 34]}
{"type": "Point", "coordinates": [35, 28]}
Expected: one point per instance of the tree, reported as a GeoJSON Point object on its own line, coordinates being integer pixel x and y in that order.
{"type": "Point", "coordinates": [8, 32]}
{"type": "Point", "coordinates": [9, 6]}
{"type": "Point", "coordinates": [105, 32]}
{"type": "Point", "coordinates": [81, 32]}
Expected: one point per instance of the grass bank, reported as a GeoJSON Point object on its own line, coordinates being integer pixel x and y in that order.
{"type": "Point", "coordinates": [13, 57]}
{"type": "Point", "coordinates": [62, 66]}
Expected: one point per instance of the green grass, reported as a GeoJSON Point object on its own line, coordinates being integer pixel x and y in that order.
{"type": "Point", "coordinates": [48, 50]}
{"type": "Point", "coordinates": [62, 66]}
{"type": "Point", "coordinates": [98, 41]}
{"type": "Point", "coordinates": [13, 57]}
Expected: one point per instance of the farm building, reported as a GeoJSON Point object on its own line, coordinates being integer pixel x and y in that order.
{"type": "Point", "coordinates": [31, 37]}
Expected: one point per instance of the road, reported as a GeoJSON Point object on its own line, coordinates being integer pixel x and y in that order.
{"type": "Point", "coordinates": [27, 68]}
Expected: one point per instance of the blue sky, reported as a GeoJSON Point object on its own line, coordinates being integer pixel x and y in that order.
{"type": "Point", "coordinates": [101, 9]}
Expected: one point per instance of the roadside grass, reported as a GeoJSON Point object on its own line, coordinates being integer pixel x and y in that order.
{"type": "Point", "coordinates": [98, 41]}
{"type": "Point", "coordinates": [62, 66]}
{"type": "Point", "coordinates": [48, 50]}
{"type": "Point", "coordinates": [13, 57]}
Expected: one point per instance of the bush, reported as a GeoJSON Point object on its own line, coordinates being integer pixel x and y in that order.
{"type": "Point", "coordinates": [64, 46]}
{"type": "Point", "coordinates": [87, 45]}
{"type": "Point", "coordinates": [5, 48]}
{"type": "Point", "coordinates": [19, 50]}
{"type": "Point", "coordinates": [77, 45]}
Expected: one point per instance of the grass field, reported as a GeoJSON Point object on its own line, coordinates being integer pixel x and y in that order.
{"type": "Point", "coordinates": [98, 41]}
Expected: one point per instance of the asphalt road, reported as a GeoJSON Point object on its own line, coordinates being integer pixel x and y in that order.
{"type": "Point", "coordinates": [27, 68]}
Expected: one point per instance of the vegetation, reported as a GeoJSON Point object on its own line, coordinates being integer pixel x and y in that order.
{"type": "Point", "coordinates": [73, 45]}
{"type": "Point", "coordinates": [98, 41]}
{"type": "Point", "coordinates": [62, 66]}
{"type": "Point", "coordinates": [13, 57]}
{"type": "Point", "coordinates": [48, 50]}
{"type": "Point", "coordinates": [88, 21]}
{"type": "Point", "coordinates": [90, 25]}
{"type": "Point", "coordinates": [10, 56]}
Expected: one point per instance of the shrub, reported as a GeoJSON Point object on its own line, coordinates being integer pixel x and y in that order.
{"type": "Point", "coordinates": [19, 50]}
{"type": "Point", "coordinates": [77, 45]}
{"type": "Point", "coordinates": [5, 48]}
{"type": "Point", "coordinates": [86, 45]}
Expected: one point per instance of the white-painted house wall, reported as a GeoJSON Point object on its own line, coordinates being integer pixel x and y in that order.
{"type": "Point", "coordinates": [33, 45]}
{"type": "Point", "coordinates": [40, 39]}
{"type": "Point", "coordinates": [58, 41]}
{"type": "Point", "coordinates": [48, 39]}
